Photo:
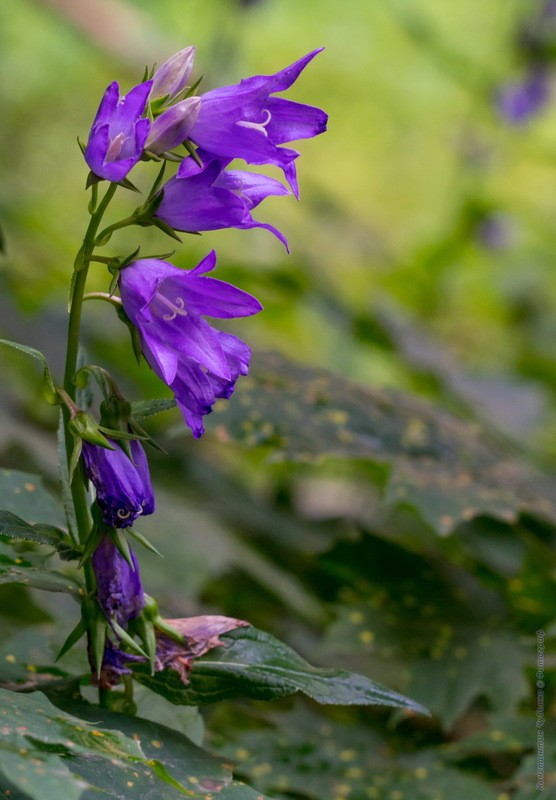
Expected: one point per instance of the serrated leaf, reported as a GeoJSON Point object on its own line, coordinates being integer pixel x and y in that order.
{"type": "Point", "coordinates": [148, 408]}
{"type": "Point", "coordinates": [14, 528]}
{"type": "Point", "coordinates": [255, 664]}
{"type": "Point", "coordinates": [23, 494]}
{"type": "Point", "coordinates": [451, 470]}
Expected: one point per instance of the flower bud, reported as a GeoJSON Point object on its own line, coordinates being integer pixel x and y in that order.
{"type": "Point", "coordinates": [173, 126]}
{"type": "Point", "coordinates": [172, 76]}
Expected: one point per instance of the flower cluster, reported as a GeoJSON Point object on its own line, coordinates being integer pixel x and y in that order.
{"type": "Point", "coordinates": [163, 120]}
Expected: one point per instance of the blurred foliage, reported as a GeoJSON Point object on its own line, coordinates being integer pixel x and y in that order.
{"type": "Point", "coordinates": [389, 508]}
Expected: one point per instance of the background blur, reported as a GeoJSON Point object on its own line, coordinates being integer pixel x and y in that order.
{"type": "Point", "coordinates": [377, 534]}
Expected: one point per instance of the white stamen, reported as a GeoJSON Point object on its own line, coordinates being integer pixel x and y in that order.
{"type": "Point", "coordinates": [123, 513]}
{"type": "Point", "coordinates": [257, 126]}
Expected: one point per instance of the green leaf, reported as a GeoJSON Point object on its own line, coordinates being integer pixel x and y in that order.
{"type": "Point", "coordinates": [32, 571]}
{"type": "Point", "coordinates": [489, 666]}
{"type": "Point", "coordinates": [305, 754]}
{"type": "Point", "coordinates": [23, 494]}
{"type": "Point", "coordinates": [255, 664]}
{"type": "Point", "coordinates": [167, 752]}
{"type": "Point", "coordinates": [148, 408]}
{"type": "Point", "coordinates": [13, 527]}
{"type": "Point", "coordinates": [451, 470]}
{"type": "Point", "coordinates": [50, 388]}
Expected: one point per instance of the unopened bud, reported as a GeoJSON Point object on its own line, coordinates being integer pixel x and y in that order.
{"type": "Point", "coordinates": [172, 76]}
{"type": "Point", "coordinates": [173, 126]}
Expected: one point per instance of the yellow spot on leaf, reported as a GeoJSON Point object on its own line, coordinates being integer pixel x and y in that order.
{"type": "Point", "coordinates": [367, 637]}
{"type": "Point", "coordinates": [30, 487]}
{"type": "Point", "coordinates": [348, 755]}
{"type": "Point", "coordinates": [11, 659]}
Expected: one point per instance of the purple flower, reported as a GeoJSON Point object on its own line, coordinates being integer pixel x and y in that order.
{"type": "Point", "coordinates": [245, 121]}
{"type": "Point", "coordinates": [208, 198]}
{"type": "Point", "coordinates": [123, 486]}
{"type": "Point", "coordinates": [119, 590]}
{"type": "Point", "coordinates": [198, 362]}
{"type": "Point", "coordinates": [171, 77]}
{"type": "Point", "coordinates": [173, 126]}
{"type": "Point", "coordinates": [520, 101]}
{"type": "Point", "coordinates": [114, 665]}
{"type": "Point", "coordinates": [118, 133]}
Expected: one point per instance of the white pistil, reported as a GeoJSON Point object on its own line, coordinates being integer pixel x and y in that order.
{"type": "Point", "coordinates": [176, 308]}
{"type": "Point", "coordinates": [257, 126]}
{"type": "Point", "coordinates": [115, 147]}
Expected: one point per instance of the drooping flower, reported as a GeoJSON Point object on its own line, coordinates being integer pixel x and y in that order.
{"type": "Point", "coordinates": [119, 132]}
{"type": "Point", "coordinates": [171, 77]}
{"type": "Point", "coordinates": [173, 126]}
{"type": "Point", "coordinates": [119, 590]}
{"type": "Point", "coordinates": [209, 198]}
{"type": "Point", "coordinates": [123, 486]}
{"type": "Point", "coordinates": [198, 362]}
{"type": "Point", "coordinates": [246, 121]}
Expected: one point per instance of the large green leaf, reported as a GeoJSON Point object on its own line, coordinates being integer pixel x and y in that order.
{"type": "Point", "coordinates": [255, 664]}
{"type": "Point", "coordinates": [23, 494]}
{"type": "Point", "coordinates": [451, 470]}
{"type": "Point", "coordinates": [304, 754]}
{"type": "Point", "coordinates": [48, 752]}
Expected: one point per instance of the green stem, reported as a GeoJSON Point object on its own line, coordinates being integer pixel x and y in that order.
{"type": "Point", "coordinates": [123, 223]}
{"type": "Point", "coordinates": [78, 490]}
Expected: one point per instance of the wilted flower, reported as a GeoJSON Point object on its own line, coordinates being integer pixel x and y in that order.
{"type": "Point", "coordinates": [123, 486]}
{"type": "Point", "coordinates": [118, 133]}
{"type": "Point", "coordinates": [200, 634]}
{"type": "Point", "coordinates": [119, 590]}
{"type": "Point", "coordinates": [208, 198]}
{"type": "Point", "coordinates": [245, 121]}
{"type": "Point", "coordinates": [198, 362]}
{"type": "Point", "coordinates": [173, 126]}
{"type": "Point", "coordinates": [171, 77]}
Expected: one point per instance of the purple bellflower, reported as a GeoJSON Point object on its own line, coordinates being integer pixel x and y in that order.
{"type": "Point", "coordinates": [119, 590]}
{"type": "Point", "coordinates": [118, 133]}
{"type": "Point", "coordinates": [171, 77]}
{"type": "Point", "coordinates": [197, 362]}
{"type": "Point", "coordinates": [123, 486]}
{"type": "Point", "coordinates": [173, 126]}
{"type": "Point", "coordinates": [246, 121]}
{"type": "Point", "coordinates": [520, 101]}
{"type": "Point", "coordinates": [209, 198]}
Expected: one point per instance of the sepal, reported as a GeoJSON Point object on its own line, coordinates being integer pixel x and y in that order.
{"type": "Point", "coordinates": [84, 426]}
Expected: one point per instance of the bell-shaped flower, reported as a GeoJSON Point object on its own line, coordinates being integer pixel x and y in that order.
{"type": "Point", "coordinates": [209, 198]}
{"type": "Point", "coordinates": [246, 121]}
{"type": "Point", "coordinates": [167, 305]}
{"type": "Point", "coordinates": [171, 77]}
{"type": "Point", "coordinates": [119, 591]}
{"type": "Point", "coordinates": [118, 133]}
{"type": "Point", "coordinates": [173, 126]}
{"type": "Point", "coordinates": [123, 486]}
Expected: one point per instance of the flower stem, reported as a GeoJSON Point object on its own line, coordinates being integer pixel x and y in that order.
{"type": "Point", "coordinates": [78, 491]}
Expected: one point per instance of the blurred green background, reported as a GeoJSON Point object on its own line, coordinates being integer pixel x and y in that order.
{"type": "Point", "coordinates": [422, 262]}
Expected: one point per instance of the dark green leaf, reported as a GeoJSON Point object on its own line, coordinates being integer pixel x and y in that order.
{"type": "Point", "coordinates": [448, 468]}
{"type": "Point", "coordinates": [257, 665]}
{"type": "Point", "coordinates": [14, 528]}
